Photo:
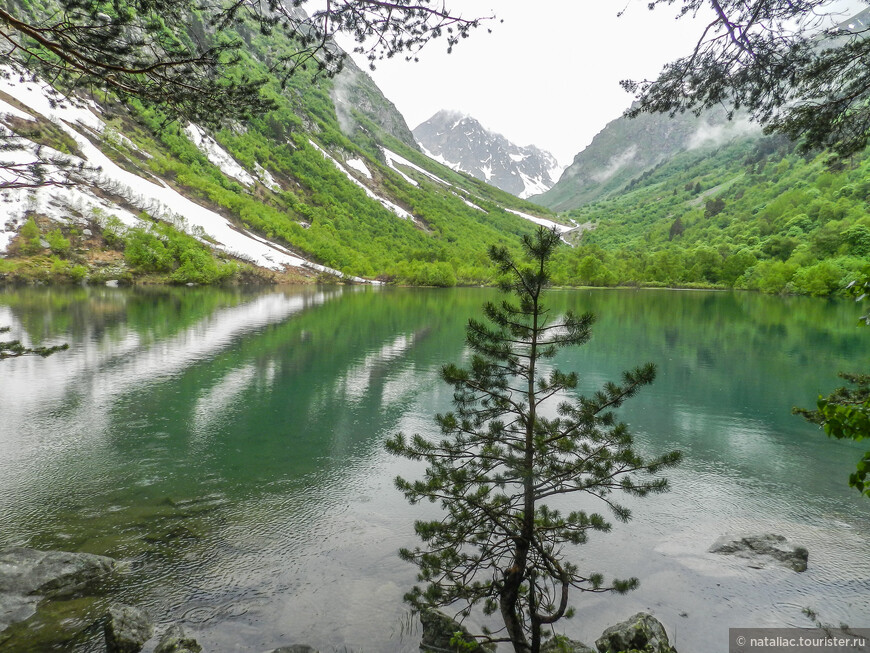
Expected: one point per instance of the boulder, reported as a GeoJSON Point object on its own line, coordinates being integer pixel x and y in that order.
{"type": "Point", "coordinates": [49, 573]}
{"type": "Point", "coordinates": [642, 632]}
{"type": "Point", "coordinates": [763, 548]}
{"type": "Point", "coordinates": [28, 575]}
{"type": "Point", "coordinates": [565, 645]}
{"type": "Point", "coordinates": [127, 629]}
{"type": "Point", "coordinates": [439, 629]}
{"type": "Point", "coordinates": [296, 648]}
{"type": "Point", "coordinates": [177, 640]}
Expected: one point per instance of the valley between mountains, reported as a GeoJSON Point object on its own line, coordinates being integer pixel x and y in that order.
{"type": "Point", "coordinates": [332, 184]}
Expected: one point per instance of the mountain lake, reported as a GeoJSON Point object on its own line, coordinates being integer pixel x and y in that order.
{"type": "Point", "coordinates": [228, 446]}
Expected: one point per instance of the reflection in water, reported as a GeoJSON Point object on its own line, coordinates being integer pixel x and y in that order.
{"type": "Point", "coordinates": [228, 445]}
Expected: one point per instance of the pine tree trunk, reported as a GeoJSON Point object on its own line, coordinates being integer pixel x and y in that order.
{"type": "Point", "coordinates": [508, 601]}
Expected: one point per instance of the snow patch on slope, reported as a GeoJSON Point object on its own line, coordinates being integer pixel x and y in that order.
{"type": "Point", "coordinates": [549, 224]}
{"type": "Point", "coordinates": [532, 186]}
{"type": "Point", "coordinates": [266, 178]}
{"type": "Point", "coordinates": [471, 204]}
{"type": "Point", "coordinates": [8, 111]}
{"type": "Point", "coordinates": [394, 159]}
{"type": "Point", "coordinates": [398, 210]}
{"type": "Point", "coordinates": [360, 166]}
{"type": "Point", "coordinates": [218, 155]}
{"type": "Point", "coordinates": [437, 157]}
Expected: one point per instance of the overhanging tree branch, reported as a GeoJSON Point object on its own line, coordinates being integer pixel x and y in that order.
{"type": "Point", "coordinates": [781, 61]}
{"type": "Point", "coordinates": [183, 56]}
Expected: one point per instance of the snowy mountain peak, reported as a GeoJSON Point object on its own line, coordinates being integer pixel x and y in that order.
{"type": "Point", "coordinates": [462, 143]}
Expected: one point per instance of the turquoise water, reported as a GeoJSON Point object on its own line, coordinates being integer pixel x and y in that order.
{"type": "Point", "coordinates": [228, 446]}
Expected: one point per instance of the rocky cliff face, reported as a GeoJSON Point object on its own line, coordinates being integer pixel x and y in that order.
{"type": "Point", "coordinates": [357, 99]}
{"type": "Point", "coordinates": [462, 143]}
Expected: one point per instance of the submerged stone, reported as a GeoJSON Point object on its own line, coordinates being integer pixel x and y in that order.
{"type": "Point", "coordinates": [49, 573]}
{"type": "Point", "coordinates": [127, 629]}
{"type": "Point", "coordinates": [176, 640]}
{"type": "Point", "coordinates": [28, 576]}
{"type": "Point", "coordinates": [763, 548]}
{"type": "Point", "coordinates": [57, 625]}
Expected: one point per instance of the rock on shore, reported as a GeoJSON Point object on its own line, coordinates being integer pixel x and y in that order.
{"type": "Point", "coordinates": [127, 628]}
{"type": "Point", "coordinates": [28, 576]}
{"type": "Point", "coordinates": [642, 632]}
{"type": "Point", "coordinates": [439, 629]}
{"type": "Point", "coordinates": [177, 640]}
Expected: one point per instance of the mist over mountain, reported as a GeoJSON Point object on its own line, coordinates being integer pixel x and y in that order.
{"type": "Point", "coordinates": [628, 147]}
{"type": "Point", "coordinates": [462, 143]}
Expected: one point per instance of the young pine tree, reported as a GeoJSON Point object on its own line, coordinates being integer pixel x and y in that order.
{"type": "Point", "coordinates": [503, 458]}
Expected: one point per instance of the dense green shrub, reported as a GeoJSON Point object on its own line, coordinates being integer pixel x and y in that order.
{"type": "Point", "coordinates": [160, 248]}
{"type": "Point", "coordinates": [30, 235]}
{"type": "Point", "coordinates": [113, 231]}
{"type": "Point", "coordinates": [147, 252]}
{"type": "Point", "coordinates": [418, 273]}
{"type": "Point", "coordinates": [821, 279]}
{"type": "Point", "coordinates": [57, 242]}
{"type": "Point", "coordinates": [769, 276]}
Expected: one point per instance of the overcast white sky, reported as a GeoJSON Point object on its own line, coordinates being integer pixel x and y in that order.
{"type": "Point", "coordinates": [548, 75]}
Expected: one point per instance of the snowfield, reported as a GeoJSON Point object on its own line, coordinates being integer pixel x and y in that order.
{"type": "Point", "coordinates": [394, 159]}
{"type": "Point", "coordinates": [549, 224]}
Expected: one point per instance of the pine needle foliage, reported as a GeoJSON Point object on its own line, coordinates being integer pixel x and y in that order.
{"type": "Point", "coordinates": [516, 441]}
{"type": "Point", "coordinates": [14, 348]}
{"type": "Point", "coordinates": [790, 64]}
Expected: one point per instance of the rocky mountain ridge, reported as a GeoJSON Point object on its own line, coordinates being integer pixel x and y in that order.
{"type": "Point", "coordinates": [462, 143]}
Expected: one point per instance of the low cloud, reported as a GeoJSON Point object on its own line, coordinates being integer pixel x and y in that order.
{"type": "Point", "coordinates": [721, 133]}
{"type": "Point", "coordinates": [615, 163]}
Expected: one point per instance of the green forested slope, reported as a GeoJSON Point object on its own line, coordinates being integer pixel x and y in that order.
{"type": "Point", "coordinates": [624, 149]}
{"type": "Point", "coordinates": [318, 212]}
{"type": "Point", "coordinates": [321, 213]}
{"type": "Point", "coordinates": [750, 214]}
